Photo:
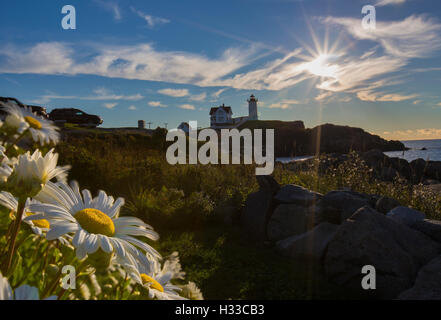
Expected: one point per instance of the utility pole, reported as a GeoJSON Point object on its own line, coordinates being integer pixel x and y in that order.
{"type": "Point", "coordinates": [149, 123]}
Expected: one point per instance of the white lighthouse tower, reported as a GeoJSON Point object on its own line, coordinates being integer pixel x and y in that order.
{"type": "Point", "coordinates": [252, 108]}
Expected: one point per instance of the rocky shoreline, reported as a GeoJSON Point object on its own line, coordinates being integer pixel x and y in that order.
{"type": "Point", "coordinates": [383, 167]}
{"type": "Point", "coordinates": [343, 231]}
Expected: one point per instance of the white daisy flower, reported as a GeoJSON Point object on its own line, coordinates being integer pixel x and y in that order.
{"type": "Point", "coordinates": [39, 227]}
{"type": "Point", "coordinates": [35, 167]}
{"type": "Point", "coordinates": [23, 292]}
{"type": "Point", "coordinates": [191, 291]}
{"type": "Point", "coordinates": [95, 223]}
{"type": "Point", "coordinates": [5, 165]}
{"type": "Point", "coordinates": [21, 119]}
{"type": "Point", "coordinates": [157, 279]}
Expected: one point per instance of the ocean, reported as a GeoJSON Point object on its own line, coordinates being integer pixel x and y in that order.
{"type": "Point", "coordinates": [432, 150]}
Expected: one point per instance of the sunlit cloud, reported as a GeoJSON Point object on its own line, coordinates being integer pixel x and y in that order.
{"type": "Point", "coordinates": [378, 96]}
{"type": "Point", "coordinates": [132, 108]}
{"type": "Point", "coordinates": [187, 107]}
{"type": "Point", "coordinates": [413, 134]}
{"type": "Point", "coordinates": [177, 93]}
{"type": "Point", "coordinates": [416, 36]}
{"type": "Point", "coordinates": [199, 97]}
{"type": "Point", "coordinates": [381, 3]}
{"type": "Point", "coordinates": [110, 105]}
{"type": "Point", "coordinates": [283, 104]}
{"type": "Point", "coordinates": [218, 93]}
{"type": "Point", "coordinates": [157, 104]}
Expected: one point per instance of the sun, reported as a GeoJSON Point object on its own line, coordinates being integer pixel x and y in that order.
{"type": "Point", "coordinates": [322, 66]}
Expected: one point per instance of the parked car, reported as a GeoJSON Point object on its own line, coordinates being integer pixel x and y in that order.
{"type": "Point", "coordinates": [76, 116]}
{"type": "Point", "coordinates": [41, 111]}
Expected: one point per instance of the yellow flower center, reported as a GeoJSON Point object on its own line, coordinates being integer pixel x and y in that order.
{"type": "Point", "coordinates": [95, 221]}
{"type": "Point", "coordinates": [43, 223]}
{"type": "Point", "coordinates": [152, 282]}
{"type": "Point", "coordinates": [34, 123]}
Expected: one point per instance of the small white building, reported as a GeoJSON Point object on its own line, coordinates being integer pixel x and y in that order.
{"type": "Point", "coordinates": [222, 116]}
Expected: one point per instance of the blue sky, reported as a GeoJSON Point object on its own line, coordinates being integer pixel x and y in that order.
{"type": "Point", "coordinates": [171, 61]}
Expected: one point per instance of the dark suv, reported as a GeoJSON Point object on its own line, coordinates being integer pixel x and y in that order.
{"type": "Point", "coordinates": [41, 111]}
{"type": "Point", "coordinates": [75, 116]}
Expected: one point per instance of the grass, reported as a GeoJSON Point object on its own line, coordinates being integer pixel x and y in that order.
{"type": "Point", "coordinates": [187, 205]}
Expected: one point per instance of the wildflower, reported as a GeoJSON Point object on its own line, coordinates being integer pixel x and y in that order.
{"type": "Point", "coordinates": [31, 172]}
{"type": "Point", "coordinates": [158, 280]}
{"type": "Point", "coordinates": [23, 292]}
{"type": "Point", "coordinates": [39, 227]}
{"type": "Point", "coordinates": [95, 223]}
{"type": "Point", "coordinates": [191, 291]}
{"type": "Point", "coordinates": [22, 119]}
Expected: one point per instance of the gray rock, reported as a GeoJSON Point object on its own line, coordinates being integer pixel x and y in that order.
{"type": "Point", "coordinates": [347, 202]}
{"type": "Point", "coordinates": [386, 204]}
{"type": "Point", "coordinates": [428, 283]}
{"type": "Point", "coordinates": [287, 220]}
{"type": "Point", "coordinates": [258, 208]}
{"type": "Point", "coordinates": [405, 215]}
{"type": "Point", "coordinates": [297, 195]}
{"type": "Point", "coordinates": [431, 228]}
{"type": "Point", "coordinates": [323, 212]}
{"type": "Point", "coordinates": [369, 238]}
{"type": "Point", "coordinates": [310, 245]}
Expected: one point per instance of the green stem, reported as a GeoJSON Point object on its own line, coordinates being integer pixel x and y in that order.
{"type": "Point", "coordinates": [16, 228]}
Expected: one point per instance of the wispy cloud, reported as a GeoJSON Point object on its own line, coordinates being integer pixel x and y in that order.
{"type": "Point", "coordinates": [381, 3]}
{"type": "Point", "coordinates": [199, 97]}
{"type": "Point", "coordinates": [132, 108]}
{"type": "Point", "coordinates": [151, 20]}
{"type": "Point", "coordinates": [111, 6]}
{"type": "Point", "coordinates": [187, 107]}
{"type": "Point", "coordinates": [156, 104]}
{"type": "Point", "coordinates": [413, 134]}
{"type": "Point", "coordinates": [110, 105]}
{"type": "Point", "coordinates": [99, 94]}
{"type": "Point", "coordinates": [218, 93]}
{"type": "Point", "coordinates": [177, 93]}
{"type": "Point", "coordinates": [397, 42]}
{"type": "Point", "coordinates": [414, 37]}
{"type": "Point", "coordinates": [368, 95]}
{"type": "Point", "coordinates": [284, 104]}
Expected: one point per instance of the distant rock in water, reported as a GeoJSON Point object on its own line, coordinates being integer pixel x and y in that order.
{"type": "Point", "coordinates": [293, 139]}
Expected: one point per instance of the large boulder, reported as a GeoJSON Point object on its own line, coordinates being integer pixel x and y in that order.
{"type": "Point", "coordinates": [287, 220]}
{"type": "Point", "coordinates": [405, 215]}
{"type": "Point", "coordinates": [433, 170]}
{"type": "Point", "coordinates": [258, 208]}
{"type": "Point", "coordinates": [347, 202]}
{"type": "Point", "coordinates": [310, 245]}
{"type": "Point", "coordinates": [323, 212]}
{"type": "Point", "coordinates": [428, 283]}
{"type": "Point", "coordinates": [369, 238]}
{"type": "Point", "coordinates": [418, 167]}
{"type": "Point", "coordinates": [296, 195]}
{"type": "Point", "coordinates": [386, 204]}
{"type": "Point", "coordinates": [431, 228]}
